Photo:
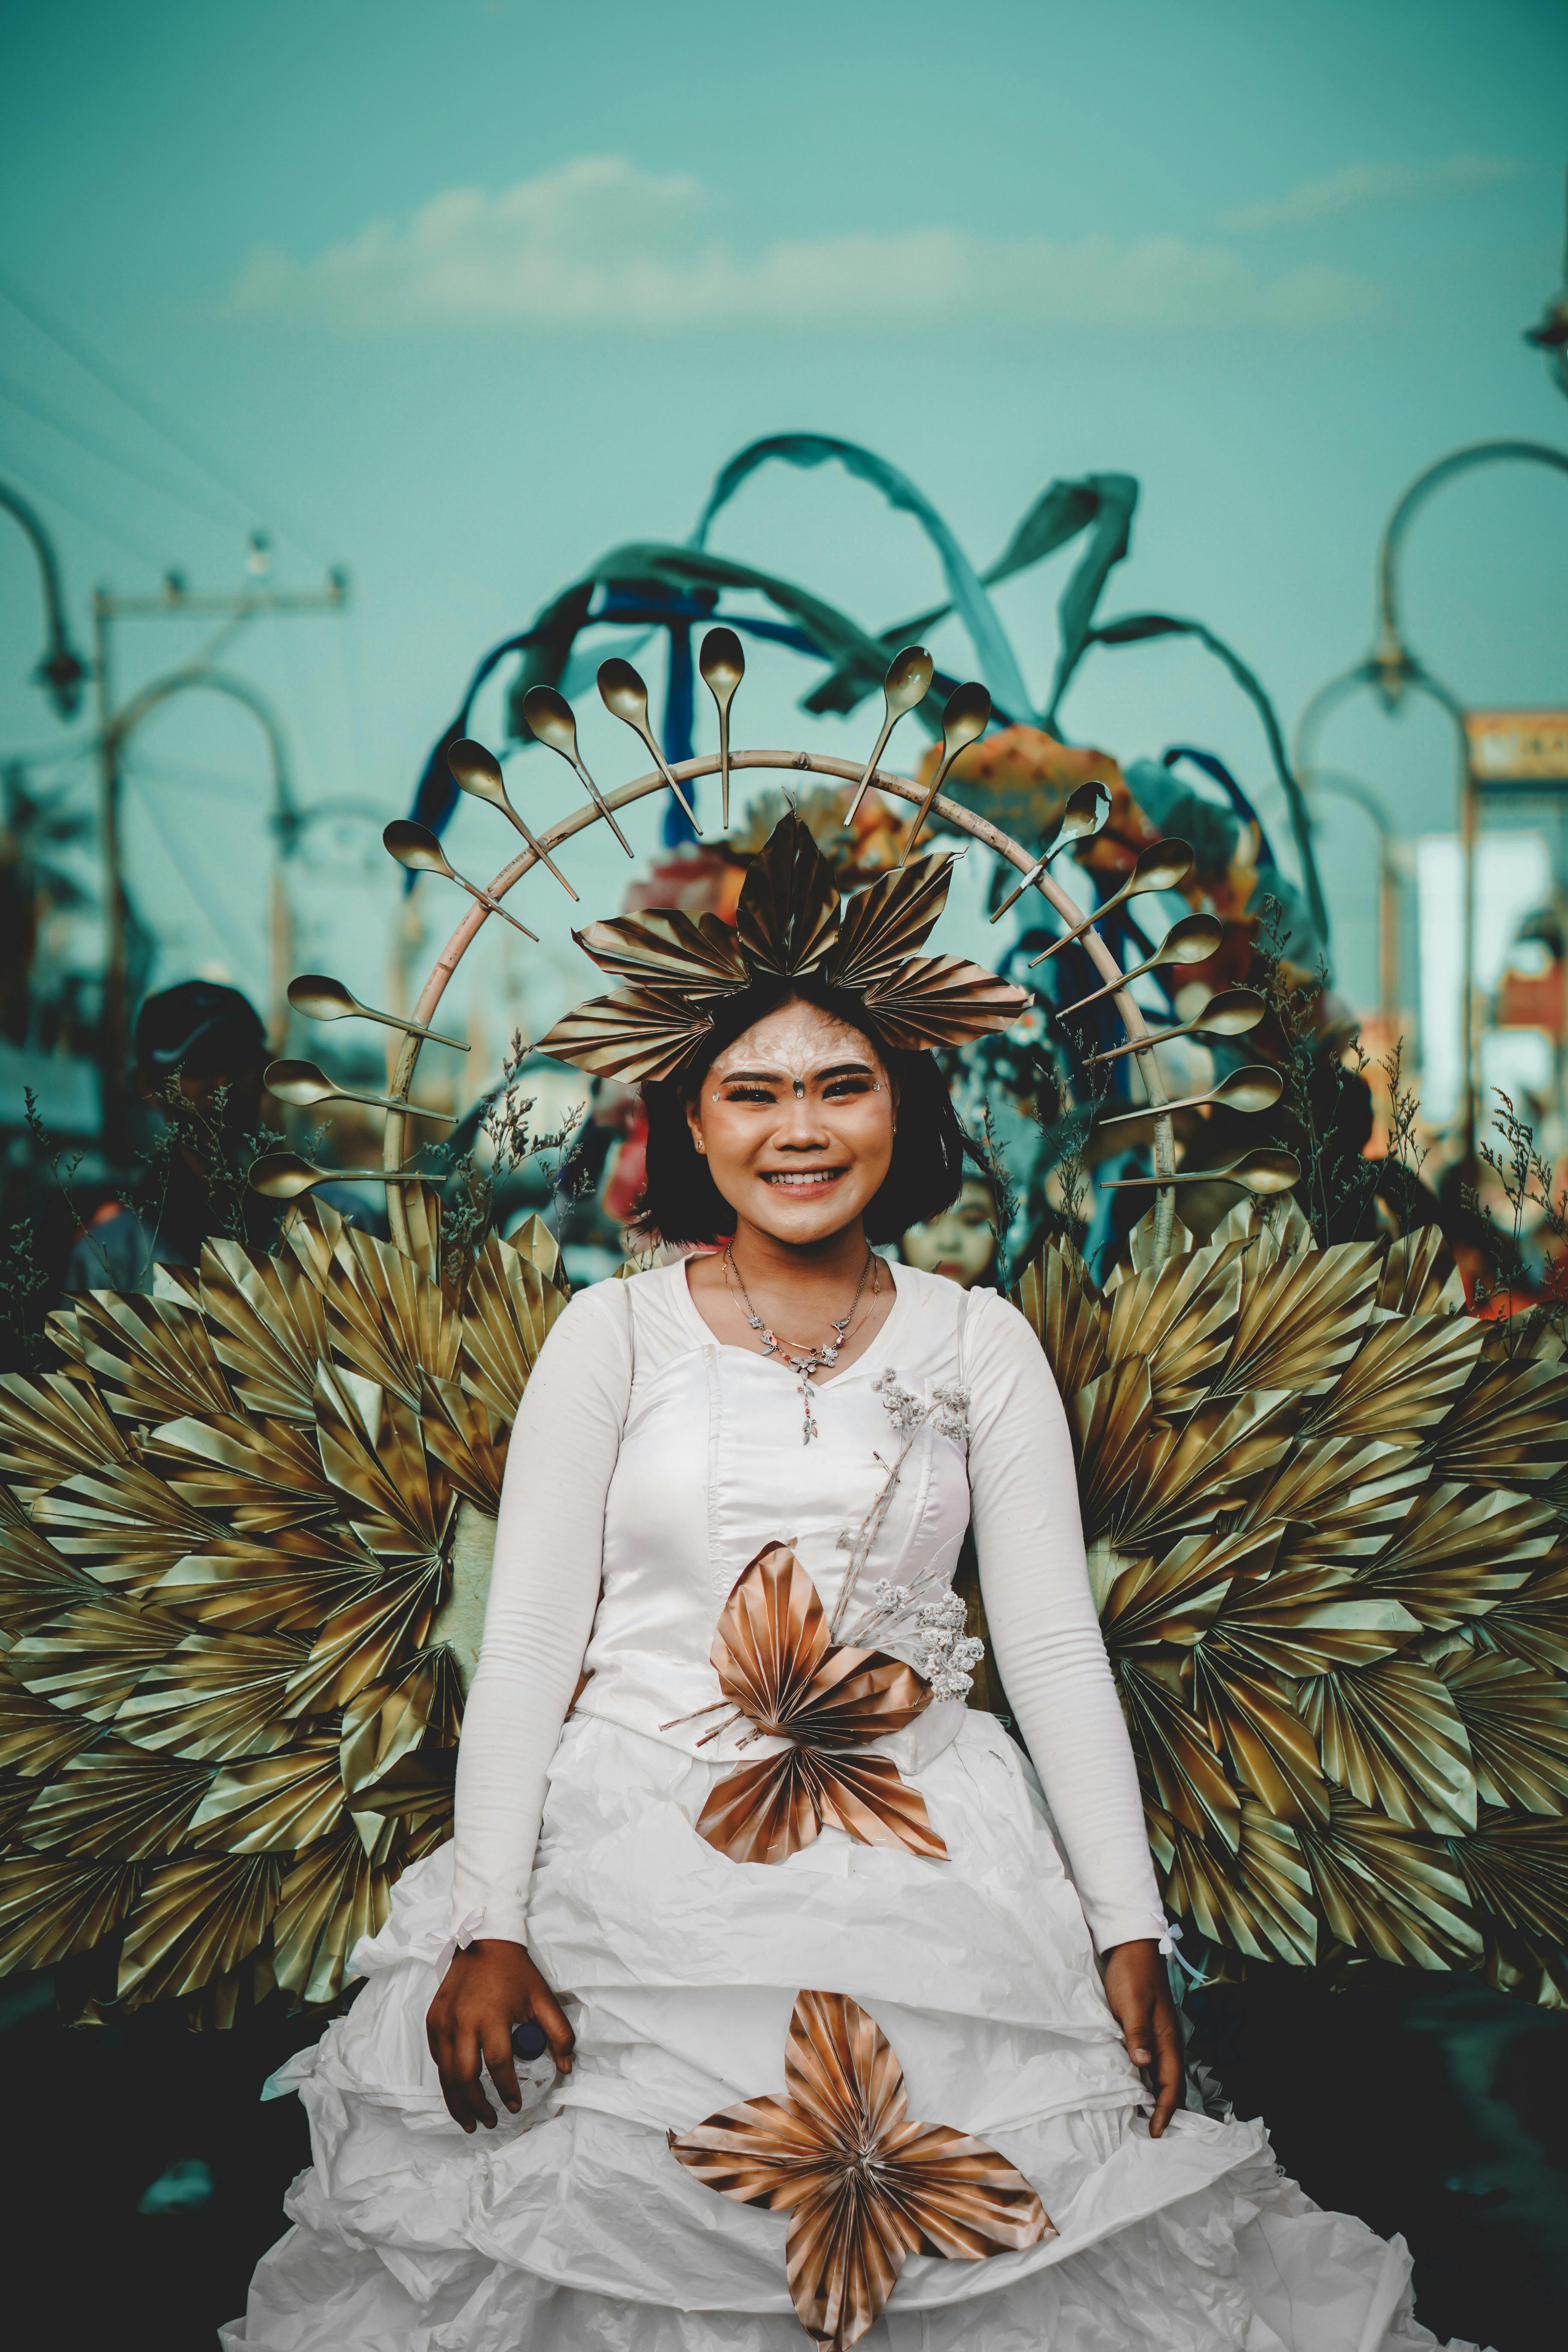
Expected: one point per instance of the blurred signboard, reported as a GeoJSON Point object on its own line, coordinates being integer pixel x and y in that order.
{"type": "Point", "coordinates": [1518, 747]}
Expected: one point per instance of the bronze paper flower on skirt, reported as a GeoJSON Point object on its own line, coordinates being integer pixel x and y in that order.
{"type": "Point", "coordinates": [776, 1664]}
{"type": "Point", "coordinates": [864, 2187]}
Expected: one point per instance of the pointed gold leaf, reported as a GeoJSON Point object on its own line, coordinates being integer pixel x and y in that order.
{"type": "Point", "coordinates": [1214, 1462]}
{"type": "Point", "coordinates": [1389, 1891]}
{"type": "Point", "coordinates": [635, 1037]}
{"type": "Point", "coordinates": [510, 1306]}
{"type": "Point", "coordinates": [460, 1433]}
{"type": "Point", "coordinates": [1179, 1315]}
{"type": "Point", "coordinates": [787, 918]}
{"type": "Point", "coordinates": [1516, 1721]}
{"type": "Point", "coordinates": [216, 1694]}
{"type": "Point", "coordinates": [117, 1803]}
{"type": "Point", "coordinates": [290, 1584]}
{"type": "Point", "coordinates": [154, 1360]}
{"type": "Point", "coordinates": [1179, 1762]}
{"type": "Point", "coordinates": [885, 923]}
{"type": "Point", "coordinates": [270, 1328]}
{"type": "Point", "coordinates": [90, 1658]}
{"type": "Point", "coordinates": [1402, 1381]}
{"type": "Point", "coordinates": [1532, 1624]}
{"type": "Point", "coordinates": [1510, 1430]}
{"type": "Point", "coordinates": [1258, 1901]}
{"type": "Point", "coordinates": [1108, 1418]}
{"type": "Point", "coordinates": [694, 955]}
{"type": "Point", "coordinates": [1057, 1300]}
{"type": "Point", "coordinates": [334, 1896]}
{"type": "Point", "coordinates": [942, 1001]}
{"type": "Point", "coordinates": [124, 1524]}
{"type": "Point", "coordinates": [49, 1429]}
{"type": "Point", "coordinates": [1344, 1497]}
{"type": "Point", "coordinates": [1171, 1603]}
{"type": "Point", "coordinates": [1301, 1319]}
{"type": "Point", "coordinates": [1298, 1622]}
{"type": "Point", "coordinates": [1419, 1277]}
{"type": "Point", "coordinates": [1393, 1735]}
{"type": "Point", "coordinates": [387, 1320]}
{"type": "Point", "coordinates": [396, 1500]}
{"type": "Point", "coordinates": [1515, 1869]}
{"type": "Point", "coordinates": [52, 1907]}
{"type": "Point", "coordinates": [265, 1474]}
{"type": "Point", "coordinates": [35, 1581]}
{"type": "Point", "coordinates": [195, 1920]}
{"type": "Point", "coordinates": [1254, 1725]}
{"type": "Point", "coordinates": [270, 1804]}
{"type": "Point", "coordinates": [37, 1739]}
{"type": "Point", "coordinates": [1458, 1553]}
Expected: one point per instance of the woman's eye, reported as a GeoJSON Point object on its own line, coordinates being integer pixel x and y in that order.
{"type": "Point", "coordinates": [841, 1087]}
{"type": "Point", "coordinates": [748, 1094]}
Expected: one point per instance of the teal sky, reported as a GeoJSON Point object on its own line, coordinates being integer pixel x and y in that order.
{"type": "Point", "coordinates": [471, 293]}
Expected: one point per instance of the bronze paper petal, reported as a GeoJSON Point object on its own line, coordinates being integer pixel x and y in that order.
{"type": "Point", "coordinates": [867, 2187]}
{"type": "Point", "coordinates": [633, 1037]}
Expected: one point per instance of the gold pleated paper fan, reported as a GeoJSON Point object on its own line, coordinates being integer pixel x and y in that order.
{"type": "Point", "coordinates": [1326, 1517]}
{"type": "Point", "coordinates": [245, 1543]}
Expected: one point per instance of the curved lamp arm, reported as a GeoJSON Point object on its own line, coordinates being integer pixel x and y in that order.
{"type": "Point", "coordinates": [61, 670]}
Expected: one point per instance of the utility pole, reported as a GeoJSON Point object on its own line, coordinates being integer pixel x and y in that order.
{"type": "Point", "coordinates": [176, 603]}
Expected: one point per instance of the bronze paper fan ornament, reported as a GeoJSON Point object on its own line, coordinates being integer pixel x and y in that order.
{"type": "Point", "coordinates": [243, 1556]}
{"type": "Point", "coordinates": [777, 1666]}
{"type": "Point", "coordinates": [674, 969]}
{"type": "Point", "coordinates": [864, 2187]}
{"type": "Point", "coordinates": [1333, 1582]}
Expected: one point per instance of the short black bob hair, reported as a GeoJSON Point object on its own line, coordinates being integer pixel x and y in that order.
{"type": "Point", "coordinates": [679, 1201]}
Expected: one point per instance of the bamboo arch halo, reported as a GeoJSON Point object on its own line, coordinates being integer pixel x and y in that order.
{"type": "Point", "coordinates": [960, 820]}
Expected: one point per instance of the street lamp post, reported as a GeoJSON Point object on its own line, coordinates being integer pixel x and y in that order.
{"type": "Point", "coordinates": [1392, 670]}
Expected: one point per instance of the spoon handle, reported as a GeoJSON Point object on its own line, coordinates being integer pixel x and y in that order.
{"type": "Point", "coordinates": [887, 726]}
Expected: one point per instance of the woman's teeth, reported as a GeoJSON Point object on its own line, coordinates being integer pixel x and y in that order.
{"type": "Point", "coordinates": [802, 1180]}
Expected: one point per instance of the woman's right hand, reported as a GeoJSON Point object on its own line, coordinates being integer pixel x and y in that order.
{"type": "Point", "coordinates": [491, 1987]}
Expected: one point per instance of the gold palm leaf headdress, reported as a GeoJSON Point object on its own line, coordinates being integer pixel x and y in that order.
{"type": "Point", "coordinates": [673, 969]}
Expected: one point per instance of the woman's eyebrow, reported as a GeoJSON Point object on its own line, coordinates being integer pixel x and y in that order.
{"type": "Point", "coordinates": [845, 1070]}
{"type": "Point", "coordinates": [772, 1077]}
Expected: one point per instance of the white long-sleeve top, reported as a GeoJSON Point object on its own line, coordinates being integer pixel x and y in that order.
{"type": "Point", "coordinates": [648, 1466]}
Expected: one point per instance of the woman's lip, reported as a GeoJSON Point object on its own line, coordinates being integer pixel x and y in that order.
{"type": "Point", "coordinates": [796, 1180]}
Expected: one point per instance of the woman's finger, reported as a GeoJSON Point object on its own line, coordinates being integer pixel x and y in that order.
{"type": "Point", "coordinates": [1137, 2032]}
{"type": "Point", "coordinates": [550, 2017]}
{"type": "Point", "coordinates": [497, 2039]}
{"type": "Point", "coordinates": [471, 2090]}
{"type": "Point", "coordinates": [1168, 2069]}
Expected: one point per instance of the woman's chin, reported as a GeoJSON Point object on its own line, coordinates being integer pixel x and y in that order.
{"type": "Point", "coordinates": [812, 1217]}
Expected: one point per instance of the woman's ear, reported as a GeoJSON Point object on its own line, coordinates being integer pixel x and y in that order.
{"type": "Point", "coordinates": [694, 1121]}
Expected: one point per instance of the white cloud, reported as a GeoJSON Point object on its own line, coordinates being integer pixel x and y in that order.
{"type": "Point", "coordinates": [1375, 183]}
{"type": "Point", "coordinates": [598, 243]}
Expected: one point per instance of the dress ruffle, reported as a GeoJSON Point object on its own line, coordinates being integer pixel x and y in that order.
{"type": "Point", "coordinates": [573, 2227]}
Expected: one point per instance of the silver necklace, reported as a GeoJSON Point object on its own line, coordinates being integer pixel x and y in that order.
{"type": "Point", "coordinates": [803, 1361]}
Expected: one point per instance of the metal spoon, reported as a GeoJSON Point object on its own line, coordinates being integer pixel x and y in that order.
{"type": "Point", "coordinates": [723, 666]}
{"type": "Point", "coordinates": [1085, 813]}
{"type": "Point", "coordinates": [321, 999]}
{"type": "Point", "coordinates": [476, 772]}
{"type": "Point", "coordinates": [1192, 941]}
{"type": "Point", "coordinates": [966, 716]}
{"type": "Point", "coordinates": [548, 715]}
{"type": "Point", "coordinates": [304, 1083]}
{"type": "Point", "coordinates": [1253, 1088]}
{"type": "Point", "coordinates": [905, 688]}
{"type": "Point", "coordinates": [1160, 867]}
{"type": "Point", "coordinates": [415, 846]}
{"type": "Point", "coordinates": [625, 696]}
{"type": "Point", "coordinates": [1231, 1013]}
{"type": "Point", "coordinates": [1258, 1172]}
{"type": "Point", "coordinates": [283, 1175]}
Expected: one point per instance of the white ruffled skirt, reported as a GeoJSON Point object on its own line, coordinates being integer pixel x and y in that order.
{"type": "Point", "coordinates": [572, 2229]}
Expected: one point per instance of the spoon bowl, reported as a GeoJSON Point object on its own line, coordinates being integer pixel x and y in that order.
{"type": "Point", "coordinates": [723, 665]}
{"type": "Point", "coordinates": [905, 688]}
{"type": "Point", "coordinates": [476, 772]}
{"type": "Point", "coordinates": [967, 716]}
{"type": "Point", "coordinates": [304, 1084]}
{"type": "Point", "coordinates": [625, 696]}
{"type": "Point", "coordinates": [417, 847]}
{"type": "Point", "coordinates": [1086, 810]}
{"type": "Point", "coordinates": [1231, 1013]}
{"type": "Point", "coordinates": [322, 998]}
{"type": "Point", "coordinates": [1161, 866]}
{"type": "Point", "coordinates": [1192, 941]}
{"type": "Point", "coordinates": [1256, 1088]}
{"type": "Point", "coordinates": [1255, 1171]}
{"type": "Point", "coordinates": [283, 1175]}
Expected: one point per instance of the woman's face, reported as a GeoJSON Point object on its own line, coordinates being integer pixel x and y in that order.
{"type": "Point", "coordinates": [961, 1242]}
{"type": "Point", "coordinates": [796, 1120]}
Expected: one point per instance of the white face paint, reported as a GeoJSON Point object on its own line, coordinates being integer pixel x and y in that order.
{"type": "Point", "coordinates": [798, 1045]}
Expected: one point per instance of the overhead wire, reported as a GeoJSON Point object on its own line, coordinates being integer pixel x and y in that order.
{"type": "Point", "coordinates": [151, 413]}
{"type": "Point", "coordinates": [45, 488]}
{"type": "Point", "coordinates": [107, 455]}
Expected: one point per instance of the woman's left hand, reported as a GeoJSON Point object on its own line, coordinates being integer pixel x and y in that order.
{"type": "Point", "coordinates": [1140, 1998]}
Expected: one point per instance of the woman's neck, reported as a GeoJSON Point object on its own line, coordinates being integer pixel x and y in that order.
{"type": "Point", "coordinates": [805, 1270]}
